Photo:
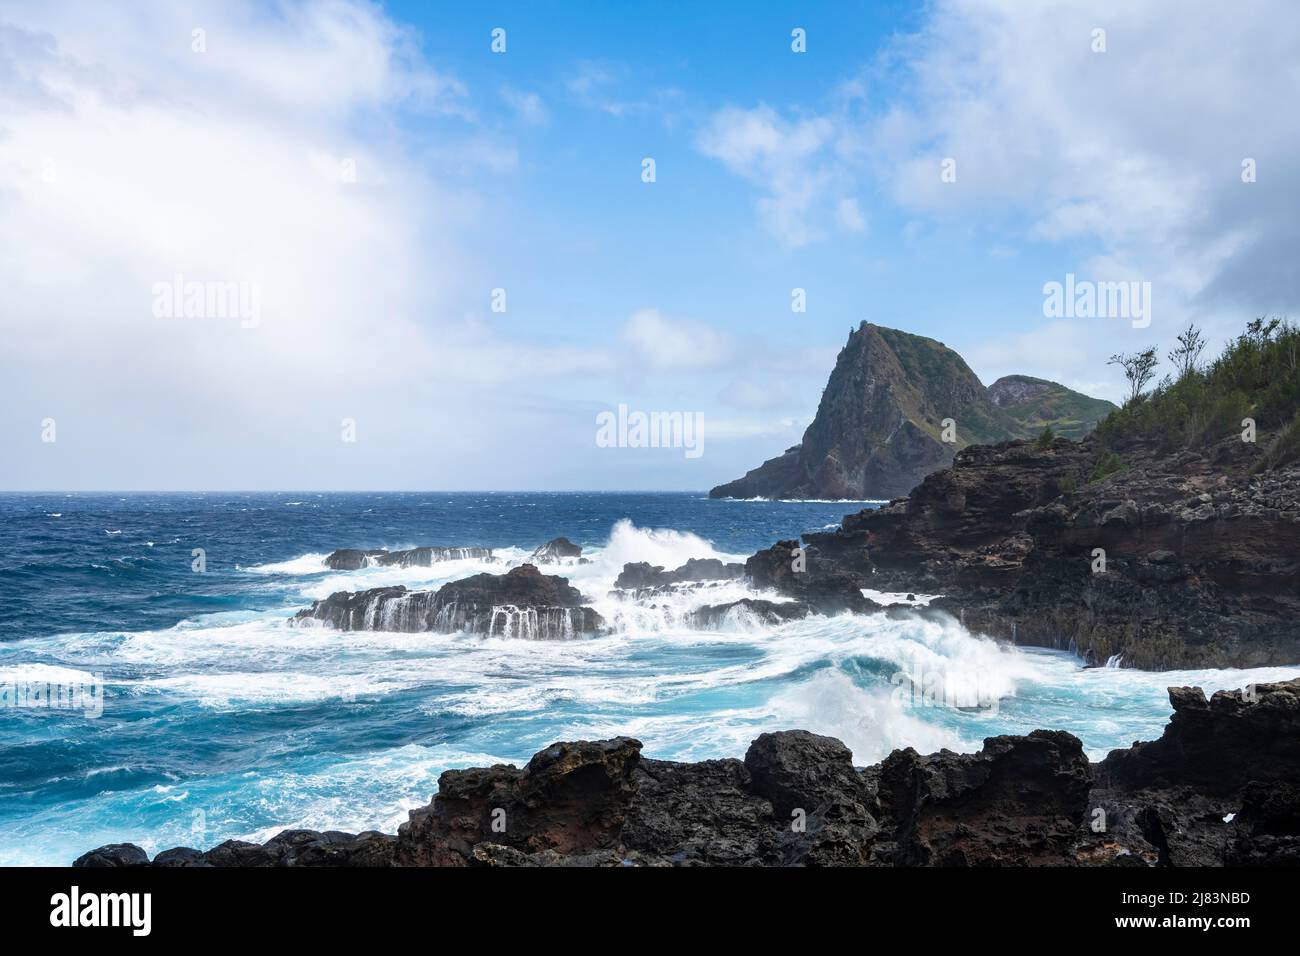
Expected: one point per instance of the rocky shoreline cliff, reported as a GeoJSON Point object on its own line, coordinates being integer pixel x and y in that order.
{"type": "Point", "coordinates": [1221, 787]}
{"type": "Point", "coordinates": [1182, 560]}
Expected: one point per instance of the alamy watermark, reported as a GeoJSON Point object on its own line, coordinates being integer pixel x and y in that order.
{"type": "Point", "coordinates": [85, 695]}
{"type": "Point", "coordinates": [633, 429]}
{"type": "Point", "coordinates": [1085, 299]}
{"type": "Point", "coordinates": [183, 298]}
{"type": "Point", "coordinates": [75, 908]}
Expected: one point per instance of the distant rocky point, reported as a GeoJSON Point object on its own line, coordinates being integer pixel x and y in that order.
{"type": "Point", "coordinates": [879, 427]}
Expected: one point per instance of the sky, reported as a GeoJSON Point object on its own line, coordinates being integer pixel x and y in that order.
{"type": "Point", "coordinates": [444, 261]}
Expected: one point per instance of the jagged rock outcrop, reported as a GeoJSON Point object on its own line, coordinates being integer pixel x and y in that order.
{"type": "Point", "coordinates": [1221, 786]}
{"type": "Point", "coordinates": [831, 590]}
{"type": "Point", "coordinates": [1201, 563]}
{"type": "Point", "coordinates": [352, 559]}
{"type": "Point", "coordinates": [1018, 802]}
{"type": "Point", "coordinates": [556, 551]}
{"type": "Point", "coordinates": [642, 574]}
{"type": "Point", "coordinates": [521, 603]}
{"type": "Point", "coordinates": [115, 855]}
{"type": "Point", "coordinates": [879, 427]}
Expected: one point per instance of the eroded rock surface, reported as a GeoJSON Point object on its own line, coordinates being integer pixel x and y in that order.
{"type": "Point", "coordinates": [1173, 561]}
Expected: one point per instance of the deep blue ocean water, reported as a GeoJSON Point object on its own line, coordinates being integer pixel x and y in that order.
{"type": "Point", "coordinates": [215, 718]}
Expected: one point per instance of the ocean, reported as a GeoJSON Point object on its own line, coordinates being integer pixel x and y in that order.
{"type": "Point", "coordinates": [213, 718]}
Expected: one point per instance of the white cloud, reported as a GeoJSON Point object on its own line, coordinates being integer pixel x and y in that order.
{"type": "Point", "coordinates": [592, 83]}
{"type": "Point", "coordinates": [607, 87]}
{"type": "Point", "coordinates": [672, 345]}
{"type": "Point", "coordinates": [274, 159]}
{"type": "Point", "coordinates": [751, 392]}
{"type": "Point", "coordinates": [735, 429]}
{"type": "Point", "coordinates": [527, 105]}
{"type": "Point", "coordinates": [1137, 148]}
{"type": "Point", "coordinates": [782, 158]}
{"type": "Point", "coordinates": [850, 215]}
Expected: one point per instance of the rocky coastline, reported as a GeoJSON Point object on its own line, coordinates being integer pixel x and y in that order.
{"type": "Point", "coordinates": [1164, 561]}
{"type": "Point", "coordinates": [1220, 787]}
{"type": "Point", "coordinates": [1169, 561]}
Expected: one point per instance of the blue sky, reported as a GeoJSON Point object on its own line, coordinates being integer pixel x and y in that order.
{"type": "Point", "coordinates": [131, 152]}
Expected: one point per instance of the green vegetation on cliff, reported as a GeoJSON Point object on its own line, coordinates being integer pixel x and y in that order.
{"type": "Point", "coordinates": [1257, 378]}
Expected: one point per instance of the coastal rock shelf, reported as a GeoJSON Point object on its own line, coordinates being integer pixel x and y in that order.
{"type": "Point", "coordinates": [1172, 561]}
{"type": "Point", "coordinates": [1220, 787]}
{"type": "Point", "coordinates": [523, 603]}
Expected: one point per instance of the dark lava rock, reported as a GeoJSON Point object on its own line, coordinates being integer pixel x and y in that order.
{"type": "Point", "coordinates": [570, 798]}
{"type": "Point", "coordinates": [1018, 802]}
{"type": "Point", "coordinates": [350, 559]}
{"type": "Point", "coordinates": [114, 855]}
{"type": "Point", "coordinates": [181, 856]}
{"type": "Point", "coordinates": [827, 588]}
{"type": "Point", "coordinates": [1166, 800]}
{"type": "Point", "coordinates": [1218, 745]}
{"type": "Point", "coordinates": [554, 551]}
{"type": "Point", "coordinates": [811, 782]}
{"type": "Point", "coordinates": [642, 574]}
{"type": "Point", "coordinates": [521, 603]}
{"type": "Point", "coordinates": [1266, 830]}
{"type": "Point", "coordinates": [288, 848]}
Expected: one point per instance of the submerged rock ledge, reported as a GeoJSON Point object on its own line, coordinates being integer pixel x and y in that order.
{"type": "Point", "coordinates": [1220, 787]}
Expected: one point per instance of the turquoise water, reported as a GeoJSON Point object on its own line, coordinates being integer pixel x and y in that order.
{"type": "Point", "coordinates": [217, 719]}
